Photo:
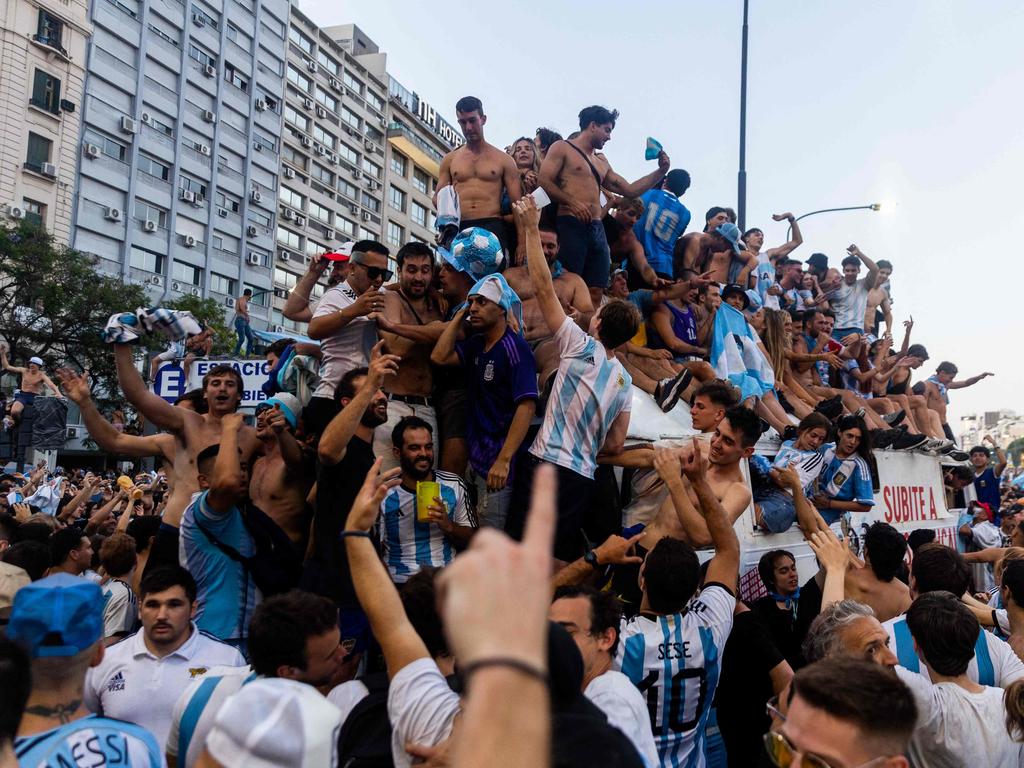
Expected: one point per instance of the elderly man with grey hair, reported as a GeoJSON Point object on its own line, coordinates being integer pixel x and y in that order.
{"type": "Point", "coordinates": [848, 628]}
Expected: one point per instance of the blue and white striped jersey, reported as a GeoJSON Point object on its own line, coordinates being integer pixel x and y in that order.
{"type": "Point", "coordinates": [196, 709]}
{"type": "Point", "coordinates": [589, 392]}
{"type": "Point", "coordinates": [92, 740]}
{"type": "Point", "coordinates": [408, 545]}
{"type": "Point", "coordinates": [675, 661]}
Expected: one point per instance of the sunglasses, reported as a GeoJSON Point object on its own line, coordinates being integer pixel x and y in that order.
{"type": "Point", "coordinates": [782, 752]}
{"type": "Point", "coordinates": [372, 272]}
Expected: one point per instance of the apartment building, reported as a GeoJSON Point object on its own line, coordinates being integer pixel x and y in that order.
{"type": "Point", "coordinates": [180, 149]}
{"type": "Point", "coordinates": [42, 74]}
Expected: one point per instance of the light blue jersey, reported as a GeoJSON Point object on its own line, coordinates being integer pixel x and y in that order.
{"type": "Point", "coordinates": [664, 221]}
{"type": "Point", "coordinates": [847, 479]}
{"type": "Point", "coordinates": [197, 708]}
{"type": "Point", "coordinates": [675, 661]}
{"type": "Point", "coordinates": [226, 592]}
{"type": "Point", "coordinates": [91, 741]}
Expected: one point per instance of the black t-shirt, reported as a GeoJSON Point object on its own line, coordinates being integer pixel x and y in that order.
{"type": "Point", "coordinates": [781, 625]}
{"type": "Point", "coordinates": [744, 689]}
{"type": "Point", "coordinates": [808, 609]}
{"type": "Point", "coordinates": [327, 571]}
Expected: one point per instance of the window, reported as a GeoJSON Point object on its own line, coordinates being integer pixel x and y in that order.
{"type": "Point", "coordinates": [327, 63]}
{"type": "Point", "coordinates": [348, 189]}
{"type": "Point", "coordinates": [259, 297]}
{"type": "Point", "coordinates": [170, 40]}
{"type": "Point", "coordinates": [326, 99]}
{"type": "Point", "coordinates": [160, 126]}
{"type": "Point", "coordinates": [147, 212]}
{"type": "Point", "coordinates": [296, 118]}
{"type": "Point", "coordinates": [186, 273]}
{"type": "Point", "coordinates": [375, 135]}
{"type": "Point", "coordinates": [313, 248]}
{"type": "Point", "coordinates": [238, 37]}
{"type": "Point", "coordinates": [299, 80]}
{"type": "Point", "coordinates": [350, 117]}
{"type": "Point", "coordinates": [107, 146]}
{"type": "Point", "coordinates": [375, 101]}
{"type": "Point", "coordinates": [396, 198]}
{"type": "Point", "coordinates": [227, 202]}
{"type": "Point", "coordinates": [288, 238]}
{"type": "Point", "coordinates": [291, 197]}
{"type": "Point", "coordinates": [272, 103]}
{"type": "Point", "coordinates": [123, 8]}
{"type": "Point", "coordinates": [320, 213]}
{"type": "Point", "coordinates": [232, 76]}
{"type": "Point", "coordinates": [293, 156]}
{"type": "Point", "coordinates": [347, 153]}
{"type": "Point", "coordinates": [204, 58]}
{"type": "Point", "coordinates": [222, 284]}
{"type": "Point", "coordinates": [395, 234]}
{"type": "Point", "coordinates": [140, 258]}
{"type": "Point", "coordinates": [398, 164]}
{"type": "Point", "coordinates": [321, 173]}
{"type": "Point", "coordinates": [345, 226]}
{"type": "Point", "coordinates": [300, 40]}
{"type": "Point", "coordinates": [256, 216]}
{"type": "Point", "coordinates": [50, 31]}
{"type": "Point", "coordinates": [285, 278]}
{"type": "Point", "coordinates": [351, 82]}
{"type": "Point", "coordinates": [371, 203]}
{"type": "Point", "coordinates": [420, 181]}
{"type": "Point", "coordinates": [184, 182]}
{"type": "Point", "coordinates": [371, 168]}
{"type": "Point", "coordinates": [261, 140]}
{"type": "Point", "coordinates": [324, 137]}
{"type": "Point", "coordinates": [38, 151]}
{"type": "Point", "coordinates": [418, 214]}
{"type": "Point", "coordinates": [46, 92]}
{"type": "Point", "coordinates": [35, 212]}
{"type": "Point", "coordinates": [200, 17]}
{"type": "Point", "coordinates": [154, 167]}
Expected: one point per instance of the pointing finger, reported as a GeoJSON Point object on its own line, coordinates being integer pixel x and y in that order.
{"type": "Point", "coordinates": [540, 525]}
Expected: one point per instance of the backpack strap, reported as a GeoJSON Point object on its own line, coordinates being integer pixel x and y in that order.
{"type": "Point", "coordinates": [593, 170]}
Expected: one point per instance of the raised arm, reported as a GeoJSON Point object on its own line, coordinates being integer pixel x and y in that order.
{"type": "Point", "coordinates": [296, 307]}
{"type": "Point", "coordinates": [1000, 455]}
{"type": "Point", "coordinates": [618, 185]}
{"type": "Point", "coordinates": [872, 267]}
{"type": "Point", "coordinates": [666, 462]}
{"type": "Point", "coordinates": [444, 351]}
{"type": "Point", "coordinates": [968, 382]}
{"type": "Point", "coordinates": [639, 260]}
{"type": "Point", "coordinates": [374, 588]}
{"type": "Point", "coordinates": [296, 459]}
{"type": "Point", "coordinates": [227, 470]}
{"type": "Point", "coordinates": [6, 363]}
{"type": "Point", "coordinates": [550, 307]}
{"type": "Point", "coordinates": [150, 405]}
{"type": "Point", "coordinates": [796, 238]}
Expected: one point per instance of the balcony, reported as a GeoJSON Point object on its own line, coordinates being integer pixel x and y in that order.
{"type": "Point", "coordinates": [421, 153]}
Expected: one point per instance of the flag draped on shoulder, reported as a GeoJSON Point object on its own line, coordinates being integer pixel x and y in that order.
{"type": "Point", "coordinates": [735, 355]}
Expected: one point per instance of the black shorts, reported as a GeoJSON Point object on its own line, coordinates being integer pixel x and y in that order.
{"type": "Point", "coordinates": [452, 410]}
{"type": "Point", "coordinates": [496, 226]}
{"type": "Point", "coordinates": [583, 249]}
{"type": "Point", "coordinates": [574, 496]}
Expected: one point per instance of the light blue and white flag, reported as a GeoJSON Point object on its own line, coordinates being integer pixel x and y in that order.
{"type": "Point", "coordinates": [735, 356]}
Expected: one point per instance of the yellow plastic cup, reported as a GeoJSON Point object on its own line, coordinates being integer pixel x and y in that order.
{"type": "Point", "coordinates": [426, 492]}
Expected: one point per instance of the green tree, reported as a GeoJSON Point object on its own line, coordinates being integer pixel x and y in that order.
{"type": "Point", "coordinates": [54, 304]}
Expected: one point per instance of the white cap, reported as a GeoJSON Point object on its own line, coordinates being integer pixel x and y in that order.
{"type": "Point", "coordinates": [37, 360]}
{"type": "Point", "coordinates": [275, 723]}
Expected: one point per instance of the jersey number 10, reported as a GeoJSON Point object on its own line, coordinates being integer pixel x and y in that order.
{"type": "Point", "coordinates": [674, 715]}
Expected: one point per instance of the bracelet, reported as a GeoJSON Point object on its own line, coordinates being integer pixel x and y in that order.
{"type": "Point", "coordinates": [504, 661]}
{"type": "Point", "coordinates": [354, 534]}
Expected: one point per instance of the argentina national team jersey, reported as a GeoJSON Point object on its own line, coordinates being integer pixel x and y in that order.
{"type": "Point", "coordinates": [196, 709]}
{"type": "Point", "coordinates": [590, 390]}
{"type": "Point", "coordinates": [675, 661]}
{"type": "Point", "coordinates": [847, 479]}
{"type": "Point", "coordinates": [408, 545]}
{"type": "Point", "coordinates": [92, 740]}
{"type": "Point", "coordinates": [664, 221]}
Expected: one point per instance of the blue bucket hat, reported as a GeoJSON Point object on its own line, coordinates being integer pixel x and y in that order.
{"type": "Point", "coordinates": [60, 615]}
{"type": "Point", "coordinates": [731, 233]}
{"type": "Point", "coordinates": [476, 252]}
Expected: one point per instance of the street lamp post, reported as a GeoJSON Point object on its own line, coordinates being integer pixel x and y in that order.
{"type": "Point", "coordinates": [741, 182]}
{"type": "Point", "coordinates": [872, 207]}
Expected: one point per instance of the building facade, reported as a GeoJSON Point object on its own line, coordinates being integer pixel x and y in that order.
{"type": "Point", "coordinates": [418, 138]}
{"type": "Point", "coordinates": [180, 148]}
{"type": "Point", "coordinates": [42, 75]}
{"type": "Point", "coordinates": [332, 158]}
{"type": "Point", "coordinates": [1003, 426]}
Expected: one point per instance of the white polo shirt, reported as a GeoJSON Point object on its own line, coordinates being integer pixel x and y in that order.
{"type": "Point", "coordinates": [134, 685]}
{"type": "Point", "coordinates": [348, 348]}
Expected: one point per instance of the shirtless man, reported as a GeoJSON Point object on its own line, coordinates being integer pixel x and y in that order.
{"type": "Point", "coordinates": [479, 172]}
{"type": "Point", "coordinates": [33, 382]}
{"type": "Point", "coordinates": [878, 299]}
{"type": "Point", "coordinates": [719, 251]}
{"type": "Point", "coordinates": [573, 174]}
{"type": "Point", "coordinates": [242, 326]}
{"type": "Point", "coordinates": [222, 386]}
{"type": "Point", "coordinates": [410, 392]}
{"type": "Point", "coordinates": [285, 470]}
{"type": "Point", "coordinates": [571, 291]}
{"type": "Point", "coordinates": [936, 390]}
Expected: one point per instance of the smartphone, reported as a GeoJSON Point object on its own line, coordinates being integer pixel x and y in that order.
{"type": "Point", "coordinates": [540, 197]}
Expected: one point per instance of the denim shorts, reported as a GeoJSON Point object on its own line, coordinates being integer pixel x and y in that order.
{"type": "Point", "coordinates": [777, 510]}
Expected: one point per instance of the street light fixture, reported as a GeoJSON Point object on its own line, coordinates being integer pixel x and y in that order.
{"type": "Point", "coordinates": [872, 207]}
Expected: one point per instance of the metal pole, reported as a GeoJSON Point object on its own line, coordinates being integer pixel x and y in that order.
{"type": "Point", "coordinates": [741, 192]}
{"type": "Point", "coordinates": [872, 207]}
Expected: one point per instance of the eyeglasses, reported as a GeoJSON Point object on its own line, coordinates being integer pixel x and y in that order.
{"type": "Point", "coordinates": [782, 752]}
{"type": "Point", "coordinates": [372, 272]}
{"type": "Point", "coordinates": [771, 708]}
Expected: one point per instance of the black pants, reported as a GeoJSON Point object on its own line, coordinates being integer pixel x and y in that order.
{"type": "Point", "coordinates": [575, 493]}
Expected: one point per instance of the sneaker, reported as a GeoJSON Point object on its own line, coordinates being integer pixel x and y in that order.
{"type": "Point", "coordinates": [892, 419]}
{"type": "Point", "coordinates": [958, 455]}
{"type": "Point", "coordinates": [668, 391]}
{"type": "Point", "coordinates": [830, 409]}
{"type": "Point", "coordinates": [942, 446]}
{"type": "Point", "coordinates": [859, 413]}
{"type": "Point", "coordinates": [881, 438]}
{"type": "Point", "coordinates": [790, 432]}
{"type": "Point", "coordinates": [908, 442]}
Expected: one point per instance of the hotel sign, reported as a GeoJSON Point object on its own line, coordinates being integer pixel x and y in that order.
{"type": "Point", "coordinates": [441, 127]}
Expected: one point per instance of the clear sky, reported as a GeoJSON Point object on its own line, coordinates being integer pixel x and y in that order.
{"type": "Point", "coordinates": [915, 103]}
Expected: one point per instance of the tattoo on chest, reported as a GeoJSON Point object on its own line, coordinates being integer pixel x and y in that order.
{"type": "Point", "coordinates": [63, 711]}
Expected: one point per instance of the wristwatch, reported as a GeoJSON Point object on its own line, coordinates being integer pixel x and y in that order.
{"type": "Point", "coordinates": [591, 559]}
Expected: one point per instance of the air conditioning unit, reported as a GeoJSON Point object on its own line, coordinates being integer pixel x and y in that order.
{"type": "Point", "coordinates": [198, 202]}
{"type": "Point", "coordinates": [311, 65]}
{"type": "Point", "coordinates": [307, 103]}
{"type": "Point", "coordinates": [257, 146]}
{"type": "Point", "coordinates": [146, 118]}
{"type": "Point", "coordinates": [188, 241]}
{"type": "Point", "coordinates": [299, 221]}
{"type": "Point", "coordinates": [357, 174]}
{"type": "Point", "coordinates": [176, 286]}
{"type": "Point", "coordinates": [285, 255]}
{"type": "Point", "coordinates": [222, 212]}
{"type": "Point", "coordinates": [369, 145]}
{"type": "Point", "coordinates": [48, 169]}
{"type": "Point", "coordinates": [306, 141]}
{"type": "Point", "coordinates": [208, 116]}
{"type": "Point", "coordinates": [329, 234]}
{"type": "Point", "coordinates": [92, 151]}
{"type": "Point", "coordinates": [198, 20]}
{"type": "Point", "coordinates": [256, 196]}
{"type": "Point", "coordinates": [204, 150]}
{"type": "Point", "coordinates": [252, 258]}
{"type": "Point", "coordinates": [321, 112]}
{"type": "Point", "coordinates": [366, 216]}
{"type": "Point", "coordinates": [157, 280]}
{"type": "Point", "coordinates": [333, 159]}
{"type": "Point", "coordinates": [373, 185]}
{"type": "Point", "coordinates": [383, 121]}
{"type": "Point", "coordinates": [71, 433]}
{"type": "Point", "coordinates": [278, 329]}
{"type": "Point", "coordinates": [149, 226]}
{"type": "Point", "coordinates": [289, 173]}
{"type": "Point", "coordinates": [334, 83]}
{"type": "Point", "coordinates": [287, 214]}
{"type": "Point", "coordinates": [195, 291]}
{"type": "Point", "coordinates": [228, 301]}
{"type": "Point", "coordinates": [15, 212]}
{"type": "Point", "coordinates": [187, 195]}
{"type": "Point", "coordinates": [321, 150]}
{"type": "Point", "coordinates": [250, 230]}
{"type": "Point", "coordinates": [261, 105]}
{"type": "Point", "coordinates": [281, 293]}
{"type": "Point", "coordinates": [209, 70]}
{"type": "Point", "coordinates": [354, 208]}
{"type": "Point", "coordinates": [127, 125]}
{"type": "Point", "coordinates": [113, 214]}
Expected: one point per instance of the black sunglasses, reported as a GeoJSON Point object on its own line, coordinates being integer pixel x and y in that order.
{"type": "Point", "coordinates": [372, 272]}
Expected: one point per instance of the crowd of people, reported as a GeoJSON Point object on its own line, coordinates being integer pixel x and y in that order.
{"type": "Point", "coordinates": [419, 551]}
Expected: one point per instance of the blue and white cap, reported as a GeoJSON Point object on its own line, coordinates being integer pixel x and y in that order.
{"type": "Point", "coordinates": [476, 252]}
{"type": "Point", "coordinates": [732, 233]}
{"type": "Point", "coordinates": [496, 289]}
